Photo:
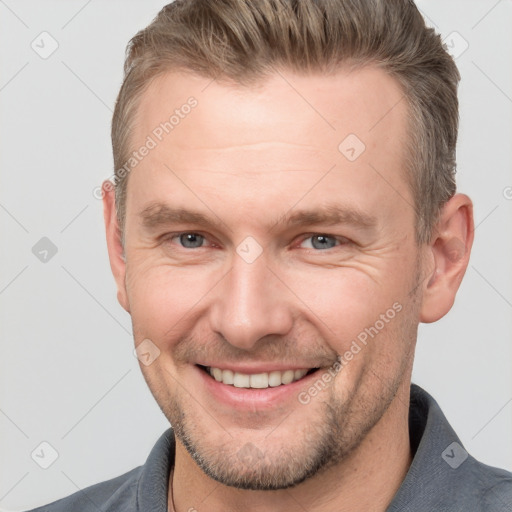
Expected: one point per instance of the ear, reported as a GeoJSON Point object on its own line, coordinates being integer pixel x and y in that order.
{"type": "Point", "coordinates": [115, 248]}
{"type": "Point", "coordinates": [449, 252]}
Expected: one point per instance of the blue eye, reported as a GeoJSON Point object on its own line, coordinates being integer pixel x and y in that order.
{"type": "Point", "coordinates": [191, 240]}
{"type": "Point", "coordinates": [320, 242]}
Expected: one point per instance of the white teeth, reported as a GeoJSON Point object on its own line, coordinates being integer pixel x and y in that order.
{"type": "Point", "coordinates": [257, 380]}
{"type": "Point", "coordinates": [274, 379]}
{"type": "Point", "coordinates": [227, 377]}
{"type": "Point", "coordinates": [287, 377]}
{"type": "Point", "coordinates": [217, 374]}
{"type": "Point", "coordinates": [299, 374]}
{"type": "Point", "coordinates": [240, 380]}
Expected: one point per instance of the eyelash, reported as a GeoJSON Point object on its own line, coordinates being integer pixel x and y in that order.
{"type": "Point", "coordinates": [340, 240]}
{"type": "Point", "coordinates": [171, 236]}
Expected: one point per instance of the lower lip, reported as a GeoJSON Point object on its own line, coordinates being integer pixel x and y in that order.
{"type": "Point", "coordinates": [250, 398]}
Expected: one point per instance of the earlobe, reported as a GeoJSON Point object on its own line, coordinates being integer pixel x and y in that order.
{"type": "Point", "coordinates": [449, 249]}
{"type": "Point", "coordinates": [114, 245]}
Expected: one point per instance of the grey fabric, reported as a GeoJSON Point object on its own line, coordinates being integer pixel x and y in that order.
{"type": "Point", "coordinates": [442, 476]}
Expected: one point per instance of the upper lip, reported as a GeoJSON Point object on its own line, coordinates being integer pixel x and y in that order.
{"type": "Point", "coordinates": [252, 368]}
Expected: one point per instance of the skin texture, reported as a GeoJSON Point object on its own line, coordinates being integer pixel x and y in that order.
{"type": "Point", "coordinates": [249, 159]}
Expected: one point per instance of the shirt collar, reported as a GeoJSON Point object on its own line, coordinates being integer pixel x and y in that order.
{"type": "Point", "coordinates": [437, 452]}
{"type": "Point", "coordinates": [153, 484]}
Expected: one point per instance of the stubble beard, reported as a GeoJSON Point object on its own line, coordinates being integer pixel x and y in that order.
{"type": "Point", "coordinates": [336, 430]}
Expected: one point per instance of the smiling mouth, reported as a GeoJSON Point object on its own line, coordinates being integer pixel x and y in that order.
{"type": "Point", "coordinates": [257, 380]}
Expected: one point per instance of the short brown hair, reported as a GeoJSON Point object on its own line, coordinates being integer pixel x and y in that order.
{"type": "Point", "coordinates": [244, 40]}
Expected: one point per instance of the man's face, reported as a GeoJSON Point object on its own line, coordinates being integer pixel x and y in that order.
{"type": "Point", "coordinates": [259, 248]}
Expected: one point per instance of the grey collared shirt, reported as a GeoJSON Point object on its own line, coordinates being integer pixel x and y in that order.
{"type": "Point", "coordinates": [443, 477]}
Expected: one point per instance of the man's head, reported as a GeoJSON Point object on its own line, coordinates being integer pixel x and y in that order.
{"type": "Point", "coordinates": [285, 236]}
{"type": "Point", "coordinates": [244, 41]}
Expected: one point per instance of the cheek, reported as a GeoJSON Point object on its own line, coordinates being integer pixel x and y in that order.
{"type": "Point", "coordinates": [163, 297]}
{"type": "Point", "coordinates": [342, 302]}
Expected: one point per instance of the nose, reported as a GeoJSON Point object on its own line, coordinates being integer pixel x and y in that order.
{"type": "Point", "coordinates": [250, 303]}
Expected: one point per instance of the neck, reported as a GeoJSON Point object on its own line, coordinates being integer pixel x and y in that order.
{"type": "Point", "coordinates": [366, 480]}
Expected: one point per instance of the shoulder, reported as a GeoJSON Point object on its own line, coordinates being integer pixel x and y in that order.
{"type": "Point", "coordinates": [115, 494]}
{"type": "Point", "coordinates": [492, 485]}
{"type": "Point", "coordinates": [443, 476]}
{"type": "Point", "coordinates": [143, 488]}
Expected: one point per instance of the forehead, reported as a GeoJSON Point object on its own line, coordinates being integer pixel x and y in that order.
{"type": "Point", "coordinates": [364, 101]}
{"type": "Point", "coordinates": [278, 135]}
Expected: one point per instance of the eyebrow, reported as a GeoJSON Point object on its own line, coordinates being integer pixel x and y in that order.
{"type": "Point", "coordinates": [158, 215]}
{"type": "Point", "coordinates": [331, 215]}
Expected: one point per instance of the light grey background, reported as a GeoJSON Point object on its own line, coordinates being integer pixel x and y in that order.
{"type": "Point", "coordinates": [68, 375]}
